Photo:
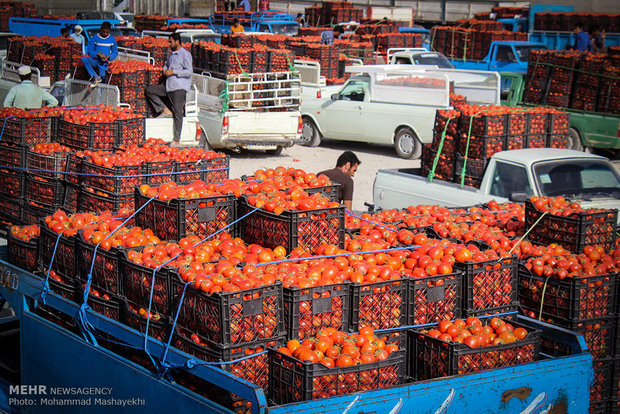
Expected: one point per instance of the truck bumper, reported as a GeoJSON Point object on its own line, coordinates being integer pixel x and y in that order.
{"type": "Point", "coordinates": [267, 142]}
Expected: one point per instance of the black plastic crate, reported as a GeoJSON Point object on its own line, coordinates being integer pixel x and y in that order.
{"type": "Point", "coordinates": [64, 262]}
{"type": "Point", "coordinates": [74, 169]}
{"type": "Point", "coordinates": [66, 289]}
{"type": "Point", "coordinates": [158, 329]}
{"type": "Point", "coordinates": [209, 170]}
{"type": "Point", "coordinates": [516, 123]}
{"type": "Point", "coordinates": [12, 183]}
{"type": "Point", "coordinates": [569, 299]}
{"type": "Point", "coordinates": [93, 136]}
{"type": "Point", "coordinates": [42, 192]}
{"type": "Point", "coordinates": [537, 123]}
{"type": "Point", "coordinates": [434, 298]}
{"type": "Point", "coordinates": [433, 358]}
{"type": "Point", "coordinates": [330, 191]}
{"type": "Point", "coordinates": [481, 146]}
{"type": "Point", "coordinates": [13, 156]}
{"type": "Point", "coordinates": [557, 140]}
{"type": "Point", "coordinates": [46, 165]}
{"type": "Point", "coordinates": [26, 131]}
{"type": "Point", "coordinates": [536, 141]}
{"type": "Point", "coordinates": [108, 306]}
{"type": "Point", "coordinates": [134, 79]}
{"type": "Point", "coordinates": [514, 142]}
{"type": "Point", "coordinates": [597, 333]}
{"type": "Point", "coordinates": [178, 218]}
{"type": "Point", "coordinates": [490, 284]}
{"type": "Point", "coordinates": [559, 123]}
{"type": "Point", "coordinates": [474, 167]}
{"type": "Point", "coordinates": [116, 180]}
{"type": "Point", "coordinates": [106, 271]}
{"type": "Point", "coordinates": [72, 200]}
{"type": "Point", "coordinates": [309, 310]}
{"type": "Point", "coordinates": [615, 382]}
{"type": "Point", "coordinates": [137, 280]}
{"type": "Point", "coordinates": [130, 131]}
{"type": "Point", "coordinates": [254, 369]}
{"type": "Point", "coordinates": [380, 305]}
{"type": "Point", "coordinates": [98, 201]}
{"type": "Point", "coordinates": [573, 233]}
{"type": "Point", "coordinates": [292, 380]}
{"type": "Point", "coordinates": [600, 389]}
{"type": "Point", "coordinates": [21, 253]}
{"type": "Point", "coordinates": [11, 211]}
{"type": "Point", "coordinates": [231, 318]}
{"type": "Point", "coordinates": [291, 229]}
{"type": "Point", "coordinates": [484, 125]}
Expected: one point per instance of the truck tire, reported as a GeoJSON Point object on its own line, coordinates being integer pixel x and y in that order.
{"type": "Point", "coordinates": [310, 135]}
{"type": "Point", "coordinates": [407, 144]}
{"type": "Point", "coordinates": [204, 142]}
{"type": "Point", "coordinates": [574, 140]}
{"type": "Point", "coordinates": [276, 151]}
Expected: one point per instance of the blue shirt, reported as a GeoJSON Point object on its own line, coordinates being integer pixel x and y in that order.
{"type": "Point", "coordinates": [107, 46]}
{"type": "Point", "coordinates": [246, 5]}
{"type": "Point", "coordinates": [180, 61]}
{"type": "Point", "coordinates": [327, 37]}
{"type": "Point", "coordinates": [583, 42]}
{"type": "Point", "coordinates": [79, 39]}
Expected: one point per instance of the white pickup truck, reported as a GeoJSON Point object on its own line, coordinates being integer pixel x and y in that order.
{"type": "Point", "coordinates": [510, 175]}
{"type": "Point", "coordinates": [390, 104]}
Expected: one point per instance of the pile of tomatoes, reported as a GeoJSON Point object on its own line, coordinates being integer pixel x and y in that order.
{"type": "Point", "coordinates": [49, 148]}
{"type": "Point", "coordinates": [559, 206]}
{"type": "Point", "coordinates": [25, 233]}
{"type": "Point", "coordinates": [98, 114]}
{"type": "Point", "coordinates": [474, 334]}
{"type": "Point", "coordinates": [22, 246]}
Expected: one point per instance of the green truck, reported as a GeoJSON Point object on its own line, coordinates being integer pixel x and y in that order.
{"type": "Point", "coordinates": [588, 130]}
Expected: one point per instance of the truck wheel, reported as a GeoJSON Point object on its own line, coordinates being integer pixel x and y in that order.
{"type": "Point", "coordinates": [310, 136]}
{"type": "Point", "coordinates": [574, 140]}
{"type": "Point", "coordinates": [204, 142]}
{"type": "Point", "coordinates": [407, 144]}
{"type": "Point", "coordinates": [276, 151]}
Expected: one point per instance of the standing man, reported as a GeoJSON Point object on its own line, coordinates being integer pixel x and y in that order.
{"type": "Point", "coordinates": [328, 36]}
{"type": "Point", "coordinates": [102, 49]}
{"type": "Point", "coordinates": [345, 169]}
{"type": "Point", "coordinates": [27, 95]}
{"type": "Point", "coordinates": [583, 43]}
{"type": "Point", "coordinates": [77, 36]}
{"type": "Point", "coordinates": [178, 71]}
{"type": "Point", "coordinates": [236, 27]}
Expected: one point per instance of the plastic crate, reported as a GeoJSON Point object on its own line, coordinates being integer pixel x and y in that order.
{"type": "Point", "coordinates": [434, 298]}
{"type": "Point", "coordinates": [49, 193]}
{"type": "Point", "coordinates": [116, 180]}
{"type": "Point", "coordinates": [106, 274]}
{"type": "Point", "coordinates": [209, 170]}
{"type": "Point", "coordinates": [26, 131]}
{"type": "Point", "coordinates": [291, 229]}
{"type": "Point", "coordinates": [93, 136]}
{"type": "Point", "coordinates": [46, 166]}
{"type": "Point", "coordinates": [33, 214]}
{"type": "Point", "coordinates": [159, 330]}
{"type": "Point", "coordinates": [137, 280]}
{"type": "Point", "coordinates": [600, 389]}
{"type": "Point", "coordinates": [489, 284]}
{"type": "Point", "coordinates": [569, 299]}
{"type": "Point", "coordinates": [110, 308]}
{"type": "Point", "coordinates": [102, 201]}
{"type": "Point", "coordinates": [485, 125]}
{"type": "Point", "coordinates": [559, 123]}
{"type": "Point", "coordinates": [573, 233]}
{"type": "Point", "coordinates": [178, 218]}
{"type": "Point", "coordinates": [380, 305]}
{"type": "Point", "coordinates": [64, 263]}
{"type": "Point", "coordinates": [231, 318]}
{"type": "Point", "coordinates": [514, 142]}
{"type": "Point", "coordinates": [13, 156]}
{"type": "Point", "coordinates": [134, 79]}
{"type": "Point", "coordinates": [254, 369]}
{"type": "Point", "coordinates": [74, 169]}
{"type": "Point", "coordinates": [537, 123]}
{"type": "Point", "coordinates": [12, 183]}
{"type": "Point", "coordinates": [536, 141]}
{"type": "Point", "coordinates": [159, 172]}
{"type": "Point", "coordinates": [597, 333]}
{"type": "Point", "coordinates": [72, 200]}
{"type": "Point", "coordinates": [330, 191]}
{"type": "Point", "coordinates": [474, 167]}
{"type": "Point", "coordinates": [615, 382]}
{"type": "Point", "coordinates": [292, 380]}
{"type": "Point", "coordinates": [433, 358]}
{"type": "Point", "coordinates": [517, 124]}
{"type": "Point", "coordinates": [130, 131]}
{"type": "Point", "coordinates": [309, 310]}
{"type": "Point", "coordinates": [481, 146]}
{"type": "Point", "coordinates": [557, 140]}
{"type": "Point", "coordinates": [66, 289]}
{"type": "Point", "coordinates": [21, 253]}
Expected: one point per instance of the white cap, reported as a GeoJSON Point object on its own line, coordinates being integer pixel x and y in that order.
{"type": "Point", "coordinates": [77, 29]}
{"type": "Point", "coordinates": [24, 70]}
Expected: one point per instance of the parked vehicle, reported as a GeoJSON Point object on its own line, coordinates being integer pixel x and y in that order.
{"type": "Point", "coordinates": [424, 32]}
{"type": "Point", "coordinates": [30, 26]}
{"type": "Point", "coordinates": [502, 57]}
{"type": "Point", "coordinates": [510, 175]}
{"type": "Point", "coordinates": [417, 57]}
{"type": "Point", "coordinates": [188, 35]}
{"type": "Point", "coordinates": [587, 129]}
{"type": "Point", "coordinates": [270, 21]}
{"type": "Point", "coordinates": [390, 104]}
{"type": "Point", "coordinates": [515, 25]}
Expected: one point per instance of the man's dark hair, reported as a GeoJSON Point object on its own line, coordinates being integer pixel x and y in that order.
{"type": "Point", "coordinates": [298, 14]}
{"type": "Point", "coordinates": [235, 21]}
{"type": "Point", "coordinates": [175, 36]}
{"type": "Point", "coordinates": [346, 157]}
{"type": "Point", "coordinates": [105, 25]}
{"type": "Point", "coordinates": [579, 25]}
{"type": "Point", "coordinates": [64, 31]}
{"type": "Point", "coordinates": [339, 29]}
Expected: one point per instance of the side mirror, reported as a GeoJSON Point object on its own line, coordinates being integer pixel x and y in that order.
{"type": "Point", "coordinates": [518, 197]}
{"type": "Point", "coordinates": [335, 96]}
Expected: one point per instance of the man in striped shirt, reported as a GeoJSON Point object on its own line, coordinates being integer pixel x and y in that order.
{"type": "Point", "coordinates": [102, 49]}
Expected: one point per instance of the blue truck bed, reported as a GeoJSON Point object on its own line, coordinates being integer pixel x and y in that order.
{"type": "Point", "coordinates": [58, 361]}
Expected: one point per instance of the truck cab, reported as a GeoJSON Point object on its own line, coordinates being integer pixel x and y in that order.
{"type": "Point", "coordinates": [503, 57]}
{"type": "Point", "coordinates": [417, 57]}
{"type": "Point", "coordinates": [188, 35]}
{"type": "Point", "coordinates": [422, 31]}
{"type": "Point", "coordinates": [519, 25]}
{"type": "Point", "coordinates": [269, 21]}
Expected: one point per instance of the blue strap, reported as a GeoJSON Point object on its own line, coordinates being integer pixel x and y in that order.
{"type": "Point", "coordinates": [46, 286]}
{"type": "Point", "coordinates": [371, 222]}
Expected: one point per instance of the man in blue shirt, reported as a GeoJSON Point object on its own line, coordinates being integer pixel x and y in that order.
{"type": "Point", "coordinates": [583, 43]}
{"type": "Point", "coordinates": [102, 49]}
{"type": "Point", "coordinates": [178, 71]}
{"type": "Point", "coordinates": [328, 36]}
{"type": "Point", "coordinates": [77, 36]}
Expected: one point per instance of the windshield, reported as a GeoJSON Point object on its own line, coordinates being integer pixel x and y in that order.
{"type": "Point", "coordinates": [188, 38]}
{"type": "Point", "coordinates": [288, 29]}
{"type": "Point", "coordinates": [116, 32]}
{"type": "Point", "coordinates": [575, 177]}
{"type": "Point", "coordinates": [523, 52]}
{"type": "Point", "coordinates": [434, 59]}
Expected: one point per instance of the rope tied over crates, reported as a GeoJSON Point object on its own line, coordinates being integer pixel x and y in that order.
{"type": "Point", "coordinates": [471, 123]}
{"type": "Point", "coordinates": [46, 286]}
{"type": "Point", "coordinates": [431, 173]}
{"type": "Point", "coordinates": [226, 98]}
{"type": "Point", "coordinates": [371, 222]}
{"type": "Point", "coordinates": [243, 72]}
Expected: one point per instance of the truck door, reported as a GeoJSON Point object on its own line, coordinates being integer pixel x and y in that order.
{"type": "Point", "coordinates": [343, 115]}
{"type": "Point", "coordinates": [505, 59]}
{"type": "Point", "coordinates": [508, 179]}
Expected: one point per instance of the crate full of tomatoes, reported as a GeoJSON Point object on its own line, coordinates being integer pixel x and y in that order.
{"type": "Point", "coordinates": [22, 246]}
{"type": "Point", "coordinates": [350, 363]}
{"type": "Point", "coordinates": [137, 317]}
{"type": "Point", "coordinates": [22, 127]}
{"type": "Point", "coordinates": [464, 346]}
{"type": "Point", "coordinates": [175, 211]}
{"type": "Point", "coordinates": [556, 220]}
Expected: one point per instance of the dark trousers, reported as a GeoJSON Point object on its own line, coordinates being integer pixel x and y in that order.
{"type": "Point", "coordinates": [157, 96]}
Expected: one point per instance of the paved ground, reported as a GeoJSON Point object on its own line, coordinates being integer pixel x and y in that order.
{"type": "Point", "coordinates": [373, 157]}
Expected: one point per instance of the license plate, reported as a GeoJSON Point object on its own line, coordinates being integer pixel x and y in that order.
{"type": "Point", "coordinates": [260, 147]}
